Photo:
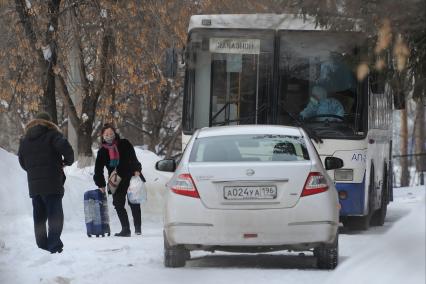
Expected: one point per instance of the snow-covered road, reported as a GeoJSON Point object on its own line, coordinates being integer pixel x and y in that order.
{"type": "Point", "coordinates": [394, 253]}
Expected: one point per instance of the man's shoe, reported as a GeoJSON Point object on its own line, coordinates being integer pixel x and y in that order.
{"type": "Point", "coordinates": [138, 231]}
{"type": "Point", "coordinates": [57, 251]}
{"type": "Point", "coordinates": [123, 233]}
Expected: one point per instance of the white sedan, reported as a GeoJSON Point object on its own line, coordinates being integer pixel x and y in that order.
{"type": "Point", "coordinates": [257, 188]}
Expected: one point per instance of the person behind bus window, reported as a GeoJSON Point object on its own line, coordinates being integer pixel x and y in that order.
{"type": "Point", "coordinates": [321, 107]}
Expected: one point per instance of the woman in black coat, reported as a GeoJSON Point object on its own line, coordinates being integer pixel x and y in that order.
{"type": "Point", "coordinates": [119, 154]}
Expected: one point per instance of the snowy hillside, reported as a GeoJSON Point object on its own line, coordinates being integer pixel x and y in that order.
{"type": "Point", "coordinates": [394, 253]}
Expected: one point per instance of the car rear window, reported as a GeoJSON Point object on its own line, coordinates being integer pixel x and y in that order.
{"type": "Point", "coordinates": [249, 148]}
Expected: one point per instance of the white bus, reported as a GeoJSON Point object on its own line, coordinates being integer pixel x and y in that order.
{"type": "Point", "coordinates": [276, 69]}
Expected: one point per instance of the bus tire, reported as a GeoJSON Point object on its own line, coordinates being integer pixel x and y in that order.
{"type": "Point", "coordinates": [328, 256]}
{"type": "Point", "coordinates": [379, 216]}
{"type": "Point", "coordinates": [175, 256]}
{"type": "Point", "coordinates": [390, 181]}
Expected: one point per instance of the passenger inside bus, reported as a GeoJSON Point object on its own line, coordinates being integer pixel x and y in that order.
{"type": "Point", "coordinates": [321, 107]}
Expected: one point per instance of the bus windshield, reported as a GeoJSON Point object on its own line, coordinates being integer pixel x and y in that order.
{"type": "Point", "coordinates": [317, 82]}
{"type": "Point", "coordinates": [291, 77]}
{"type": "Point", "coordinates": [229, 77]}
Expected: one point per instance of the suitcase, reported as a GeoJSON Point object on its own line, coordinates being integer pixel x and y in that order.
{"type": "Point", "coordinates": [96, 213]}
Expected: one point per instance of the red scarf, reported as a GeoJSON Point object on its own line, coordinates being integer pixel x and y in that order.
{"type": "Point", "coordinates": [114, 155]}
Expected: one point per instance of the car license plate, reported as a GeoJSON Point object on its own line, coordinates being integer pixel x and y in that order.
{"type": "Point", "coordinates": [249, 192]}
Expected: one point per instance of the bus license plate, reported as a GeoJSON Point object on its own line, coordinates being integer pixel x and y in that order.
{"type": "Point", "coordinates": [249, 192]}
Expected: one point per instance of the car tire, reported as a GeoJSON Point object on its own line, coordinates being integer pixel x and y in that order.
{"type": "Point", "coordinates": [175, 256]}
{"type": "Point", "coordinates": [328, 256]}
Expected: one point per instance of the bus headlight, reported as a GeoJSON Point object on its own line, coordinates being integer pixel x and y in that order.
{"type": "Point", "coordinates": [344, 175]}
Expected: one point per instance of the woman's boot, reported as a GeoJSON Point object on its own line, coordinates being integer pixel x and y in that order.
{"type": "Point", "coordinates": [137, 220]}
{"type": "Point", "coordinates": [124, 220]}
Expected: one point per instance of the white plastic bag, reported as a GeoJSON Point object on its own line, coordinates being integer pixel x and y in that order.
{"type": "Point", "coordinates": [136, 193]}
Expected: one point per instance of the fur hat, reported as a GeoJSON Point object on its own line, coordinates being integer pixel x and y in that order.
{"type": "Point", "coordinates": [43, 115]}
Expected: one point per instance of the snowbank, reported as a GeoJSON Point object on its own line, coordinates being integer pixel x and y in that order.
{"type": "Point", "coordinates": [80, 180]}
{"type": "Point", "coordinates": [15, 201]}
{"type": "Point", "coordinates": [14, 197]}
{"type": "Point", "coordinates": [395, 257]}
{"type": "Point", "coordinates": [155, 180]}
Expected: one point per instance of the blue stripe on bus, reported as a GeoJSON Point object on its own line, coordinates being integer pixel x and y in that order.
{"type": "Point", "coordinates": [354, 203]}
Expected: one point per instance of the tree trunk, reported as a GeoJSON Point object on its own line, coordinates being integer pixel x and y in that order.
{"type": "Point", "coordinates": [48, 101]}
{"type": "Point", "coordinates": [405, 175]}
{"type": "Point", "coordinates": [72, 88]}
{"type": "Point", "coordinates": [154, 139]}
{"type": "Point", "coordinates": [49, 97]}
{"type": "Point", "coordinates": [420, 137]}
{"type": "Point", "coordinates": [82, 121]}
{"type": "Point", "coordinates": [85, 156]}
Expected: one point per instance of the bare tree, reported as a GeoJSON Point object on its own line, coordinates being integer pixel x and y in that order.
{"type": "Point", "coordinates": [43, 44]}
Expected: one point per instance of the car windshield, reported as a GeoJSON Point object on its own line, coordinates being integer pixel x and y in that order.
{"type": "Point", "coordinates": [249, 148]}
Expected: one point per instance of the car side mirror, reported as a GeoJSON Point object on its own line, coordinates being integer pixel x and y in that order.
{"type": "Point", "coordinates": [332, 163]}
{"type": "Point", "coordinates": [167, 165]}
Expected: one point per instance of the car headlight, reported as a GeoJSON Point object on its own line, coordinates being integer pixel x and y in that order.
{"type": "Point", "coordinates": [344, 174]}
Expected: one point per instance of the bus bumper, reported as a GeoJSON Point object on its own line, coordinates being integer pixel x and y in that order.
{"type": "Point", "coordinates": [353, 203]}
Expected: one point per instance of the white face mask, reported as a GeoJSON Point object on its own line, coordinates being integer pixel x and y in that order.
{"type": "Point", "coordinates": [109, 139]}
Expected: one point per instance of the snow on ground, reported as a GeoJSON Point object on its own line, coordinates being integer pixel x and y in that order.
{"type": "Point", "coordinates": [394, 253]}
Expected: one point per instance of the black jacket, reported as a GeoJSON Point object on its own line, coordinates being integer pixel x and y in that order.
{"type": "Point", "coordinates": [127, 165]}
{"type": "Point", "coordinates": [43, 151]}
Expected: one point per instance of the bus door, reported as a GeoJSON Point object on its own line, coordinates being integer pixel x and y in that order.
{"type": "Point", "coordinates": [230, 78]}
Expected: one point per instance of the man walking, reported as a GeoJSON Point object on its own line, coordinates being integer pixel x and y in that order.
{"type": "Point", "coordinates": [43, 152]}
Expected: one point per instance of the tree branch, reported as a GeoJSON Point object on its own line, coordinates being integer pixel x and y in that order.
{"type": "Point", "coordinates": [29, 30]}
{"type": "Point", "coordinates": [137, 127]}
{"type": "Point", "coordinates": [104, 61]}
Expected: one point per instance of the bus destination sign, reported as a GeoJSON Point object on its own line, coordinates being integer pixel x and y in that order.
{"type": "Point", "coordinates": [236, 46]}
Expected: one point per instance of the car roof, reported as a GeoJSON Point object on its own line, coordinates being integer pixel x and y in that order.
{"type": "Point", "coordinates": [249, 129]}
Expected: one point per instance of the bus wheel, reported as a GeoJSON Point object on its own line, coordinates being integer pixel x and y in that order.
{"type": "Point", "coordinates": [379, 216]}
{"type": "Point", "coordinates": [364, 222]}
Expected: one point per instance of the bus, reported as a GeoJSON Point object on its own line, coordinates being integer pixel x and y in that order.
{"type": "Point", "coordinates": [275, 69]}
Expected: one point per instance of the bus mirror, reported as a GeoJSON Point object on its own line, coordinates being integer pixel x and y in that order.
{"type": "Point", "coordinates": [167, 165]}
{"type": "Point", "coordinates": [332, 163]}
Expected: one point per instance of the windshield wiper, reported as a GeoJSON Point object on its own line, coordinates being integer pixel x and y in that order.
{"type": "Point", "coordinates": [311, 132]}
